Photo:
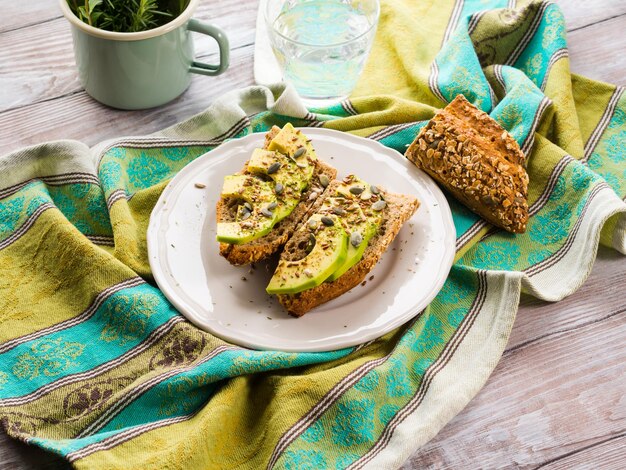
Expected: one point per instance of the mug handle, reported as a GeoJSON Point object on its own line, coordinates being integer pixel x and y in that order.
{"type": "Point", "coordinates": [222, 41]}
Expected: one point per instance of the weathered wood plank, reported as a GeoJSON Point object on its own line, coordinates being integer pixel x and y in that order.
{"type": "Point", "coordinates": [33, 12]}
{"type": "Point", "coordinates": [558, 389]}
{"type": "Point", "coordinates": [581, 13]}
{"type": "Point", "coordinates": [21, 14]}
{"type": "Point", "coordinates": [545, 400]}
{"type": "Point", "coordinates": [536, 318]}
{"type": "Point", "coordinates": [608, 455]}
{"type": "Point", "coordinates": [597, 51]}
{"type": "Point", "coordinates": [15, 455]}
{"type": "Point", "coordinates": [35, 76]}
{"type": "Point", "coordinates": [79, 117]}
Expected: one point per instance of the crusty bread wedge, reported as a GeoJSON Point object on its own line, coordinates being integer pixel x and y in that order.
{"type": "Point", "coordinates": [399, 209]}
{"type": "Point", "coordinates": [477, 161]}
{"type": "Point", "coordinates": [266, 246]}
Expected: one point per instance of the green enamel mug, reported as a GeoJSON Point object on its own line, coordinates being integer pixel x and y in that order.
{"type": "Point", "coordinates": [144, 69]}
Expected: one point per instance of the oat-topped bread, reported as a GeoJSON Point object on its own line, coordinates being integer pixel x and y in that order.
{"type": "Point", "coordinates": [478, 161]}
{"type": "Point", "coordinates": [261, 206]}
{"type": "Point", "coordinates": [334, 249]}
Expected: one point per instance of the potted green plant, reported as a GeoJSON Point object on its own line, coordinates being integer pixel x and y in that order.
{"type": "Point", "coordinates": [137, 54]}
{"type": "Point", "coordinates": [127, 16]}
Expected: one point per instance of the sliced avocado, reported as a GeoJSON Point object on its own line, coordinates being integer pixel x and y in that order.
{"type": "Point", "coordinates": [290, 142]}
{"type": "Point", "coordinates": [359, 228]}
{"type": "Point", "coordinates": [242, 213]}
{"type": "Point", "coordinates": [361, 224]}
{"type": "Point", "coordinates": [286, 175]}
{"type": "Point", "coordinates": [352, 183]}
{"type": "Point", "coordinates": [328, 253]}
{"type": "Point", "coordinates": [254, 217]}
{"type": "Point", "coordinates": [248, 188]}
{"type": "Point", "coordinates": [262, 160]}
{"type": "Point", "coordinates": [236, 233]}
{"type": "Point", "coordinates": [355, 252]}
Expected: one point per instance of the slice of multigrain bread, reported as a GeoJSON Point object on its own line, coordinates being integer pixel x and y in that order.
{"type": "Point", "coordinates": [399, 209]}
{"type": "Point", "coordinates": [477, 161]}
{"type": "Point", "coordinates": [264, 247]}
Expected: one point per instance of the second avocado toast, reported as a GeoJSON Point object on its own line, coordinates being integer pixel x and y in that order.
{"type": "Point", "coordinates": [336, 231]}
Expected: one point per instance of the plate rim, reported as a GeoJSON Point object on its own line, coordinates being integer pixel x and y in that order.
{"type": "Point", "coordinates": [159, 274]}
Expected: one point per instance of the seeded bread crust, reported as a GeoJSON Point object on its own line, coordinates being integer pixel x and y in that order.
{"type": "Point", "coordinates": [478, 161]}
{"type": "Point", "coordinates": [399, 209]}
{"type": "Point", "coordinates": [264, 247]}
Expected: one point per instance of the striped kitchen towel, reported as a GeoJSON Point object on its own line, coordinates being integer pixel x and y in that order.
{"type": "Point", "coordinates": [99, 368]}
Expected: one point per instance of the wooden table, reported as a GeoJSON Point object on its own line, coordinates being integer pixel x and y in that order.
{"type": "Point", "coordinates": [572, 351]}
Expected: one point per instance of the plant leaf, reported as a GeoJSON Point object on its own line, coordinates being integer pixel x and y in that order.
{"type": "Point", "coordinates": [93, 4]}
{"type": "Point", "coordinates": [82, 14]}
{"type": "Point", "coordinates": [95, 17]}
{"type": "Point", "coordinates": [127, 15]}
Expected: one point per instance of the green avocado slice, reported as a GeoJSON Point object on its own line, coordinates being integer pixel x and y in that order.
{"type": "Point", "coordinates": [365, 228]}
{"type": "Point", "coordinates": [351, 182]}
{"type": "Point", "coordinates": [360, 226]}
{"type": "Point", "coordinates": [289, 141]}
{"type": "Point", "coordinates": [355, 252]}
{"type": "Point", "coordinates": [260, 201]}
{"type": "Point", "coordinates": [234, 233]}
{"type": "Point", "coordinates": [289, 181]}
{"type": "Point", "coordinates": [288, 173]}
{"type": "Point", "coordinates": [328, 253]}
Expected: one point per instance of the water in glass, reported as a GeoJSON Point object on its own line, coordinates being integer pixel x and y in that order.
{"type": "Point", "coordinates": [322, 46]}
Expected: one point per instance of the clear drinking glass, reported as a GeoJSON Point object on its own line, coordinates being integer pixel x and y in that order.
{"type": "Point", "coordinates": [321, 45]}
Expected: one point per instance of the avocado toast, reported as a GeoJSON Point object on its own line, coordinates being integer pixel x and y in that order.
{"type": "Point", "coordinates": [341, 241]}
{"type": "Point", "coordinates": [262, 205]}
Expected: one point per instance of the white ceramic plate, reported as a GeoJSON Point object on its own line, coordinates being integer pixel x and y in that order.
{"type": "Point", "coordinates": [231, 302]}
